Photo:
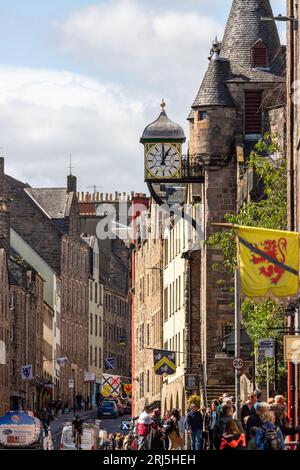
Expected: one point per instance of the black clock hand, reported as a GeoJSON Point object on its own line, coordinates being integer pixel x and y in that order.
{"type": "Point", "coordinates": [165, 156]}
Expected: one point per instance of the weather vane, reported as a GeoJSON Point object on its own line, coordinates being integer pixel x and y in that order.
{"type": "Point", "coordinates": [162, 104]}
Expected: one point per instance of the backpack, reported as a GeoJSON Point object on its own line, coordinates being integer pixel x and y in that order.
{"type": "Point", "coordinates": [271, 439]}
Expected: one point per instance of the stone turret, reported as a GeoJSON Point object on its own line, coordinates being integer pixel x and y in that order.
{"type": "Point", "coordinates": [214, 115]}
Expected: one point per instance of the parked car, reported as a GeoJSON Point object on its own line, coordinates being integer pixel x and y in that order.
{"type": "Point", "coordinates": [108, 409]}
{"type": "Point", "coordinates": [90, 437]}
{"type": "Point", "coordinates": [119, 404]}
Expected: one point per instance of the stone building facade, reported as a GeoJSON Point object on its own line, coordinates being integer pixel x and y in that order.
{"type": "Point", "coordinates": [117, 332]}
{"type": "Point", "coordinates": [4, 315]}
{"type": "Point", "coordinates": [243, 89]}
{"type": "Point", "coordinates": [148, 314]}
{"type": "Point", "coordinates": [47, 219]}
{"type": "Point", "coordinates": [96, 321]}
{"type": "Point", "coordinates": [27, 312]}
{"type": "Point", "coordinates": [114, 273]}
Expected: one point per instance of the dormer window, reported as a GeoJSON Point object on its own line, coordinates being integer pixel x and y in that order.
{"type": "Point", "coordinates": [260, 58]}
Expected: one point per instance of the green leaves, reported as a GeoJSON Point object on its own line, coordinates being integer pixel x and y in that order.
{"type": "Point", "coordinates": [262, 318]}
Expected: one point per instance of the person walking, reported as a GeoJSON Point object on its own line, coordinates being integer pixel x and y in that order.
{"type": "Point", "coordinates": [155, 438]}
{"type": "Point", "coordinates": [247, 408]}
{"type": "Point", "coordinates": [212, 422]}
{"type": "Point", "coordinates": [172, 431]}
{"type": "Point", "coordinates": [255, 418]}
{"type": "Point", "coordinates": [233, 438]}
{"type": "Point", "coordinates": [166, 417]}
{"type": "Point", "coordinates": [219, 429]}
{"type": "Point", "coordinates": [206, 422]}
{"type": "Point", "coordinates": [268, 435]}
{"type": "Point", "coordinates": [194, 422]}
{"type": "Point", "coordinates": [143, 428]}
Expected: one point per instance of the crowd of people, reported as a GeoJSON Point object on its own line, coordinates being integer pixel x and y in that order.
{"type": "Point", "coordinates": [262, 426]}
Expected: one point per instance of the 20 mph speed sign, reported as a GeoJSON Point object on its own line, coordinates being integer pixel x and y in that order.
{"type": "Point", "coordinates": [238, 363]}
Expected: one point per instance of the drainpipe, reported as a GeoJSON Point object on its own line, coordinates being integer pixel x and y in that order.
{"type": "Point", "coordinates": [291, 191]}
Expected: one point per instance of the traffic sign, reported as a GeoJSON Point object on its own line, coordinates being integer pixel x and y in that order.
{"type": "Point", "coordinates": [238, 363]}
{"type": "Point", "coordinates": [71, 383]}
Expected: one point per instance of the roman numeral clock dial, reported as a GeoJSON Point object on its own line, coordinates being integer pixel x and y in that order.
{"type": "Point", "coordinates": [163, 161]}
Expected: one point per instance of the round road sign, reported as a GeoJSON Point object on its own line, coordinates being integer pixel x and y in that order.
{"type": "Point", "coordinates": [238, 363]}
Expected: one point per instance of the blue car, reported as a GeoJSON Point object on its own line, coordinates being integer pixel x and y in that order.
{"type": "Point", "coordinates": [108, 409]}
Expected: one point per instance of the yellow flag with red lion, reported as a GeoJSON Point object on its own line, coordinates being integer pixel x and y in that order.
{"type": "Point", "coordinates": [268, 262]}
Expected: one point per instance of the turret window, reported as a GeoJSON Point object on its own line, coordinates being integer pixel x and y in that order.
{"type": "Point", "coordinates": [260, 56]}
{"type": "Point", "coordinates": [202, 115]}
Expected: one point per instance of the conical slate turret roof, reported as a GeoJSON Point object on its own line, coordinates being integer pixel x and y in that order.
{"type": "Point", "coordinates": [213, 91]}
{"type": "Point", "coordinates": [244, 28]}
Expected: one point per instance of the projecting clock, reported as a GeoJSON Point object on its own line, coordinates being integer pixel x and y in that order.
{"type": "Point", "coordinates": [163, 161]}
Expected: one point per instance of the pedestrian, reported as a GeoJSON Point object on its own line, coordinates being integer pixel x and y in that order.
{"type": "Point", "coordinates": [247, 408]}
{"type": "Point", "coordinates": [206, 421]}
{"type": "Point", "coordinates": [172, 431]}
{"type": "Point", "coordinates": [86, 404]}
{"type": "Point", "coordinates": [110, 442]}
{"type": "Point", "coordinates": [155, 438]}
{"type": "Point", "coordinates": [219, 429]}
{"type": "Point", "coordinates": [119, 441]}
{"type": "Point", "coordinates": [255, 418]}
{"type": "Point", "coordinates": [212, 422]}
{"type": "Point", "coordinates": [251, 443]}
{"type": "Point", "coordinates": [194, 423]}
{"type": "Point", "coordinates": [268, 435]}
{"type": "Point", "coordinates": [281, 417]}
{"type": "Point", "coordinates": [182, 429]}
{"type": "Point", "coordinates": [143, 428]}
{"type": "Point", "coordinates": [233, 438]}
{"type": "Point", "coordinates": [166, 417]}
{"type": "Point", "coordinates": [258, 394]}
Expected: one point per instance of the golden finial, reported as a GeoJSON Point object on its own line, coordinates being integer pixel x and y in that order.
{"type": "Point", "coordinates": [163, 104]}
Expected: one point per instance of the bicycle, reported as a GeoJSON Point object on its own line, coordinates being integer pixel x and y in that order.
{"type": "Point", "coordinates": [77, 440]}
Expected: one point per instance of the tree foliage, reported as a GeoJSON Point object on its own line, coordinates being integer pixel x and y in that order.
{"type": "Point", "coordinates": [262, 318]}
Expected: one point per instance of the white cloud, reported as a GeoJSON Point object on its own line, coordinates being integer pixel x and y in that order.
{"type": "Point", "coordinates": [47, 115]}
{"type": "Point", "coordinates": [159, 48]}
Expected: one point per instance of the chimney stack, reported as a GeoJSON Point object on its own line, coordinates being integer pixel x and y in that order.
{"type": "Point", "coordinates": [72, 184]}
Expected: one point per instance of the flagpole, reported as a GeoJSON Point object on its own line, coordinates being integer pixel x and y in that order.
{"type": "Point", "coordinates": [237, 341]}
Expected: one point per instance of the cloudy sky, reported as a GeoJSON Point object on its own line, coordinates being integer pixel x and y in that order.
{"type": "Point", "coordinates": [84, 77]}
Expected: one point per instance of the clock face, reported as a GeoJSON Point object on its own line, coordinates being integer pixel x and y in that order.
{"type": "Point", "coordinates": [163, 161]}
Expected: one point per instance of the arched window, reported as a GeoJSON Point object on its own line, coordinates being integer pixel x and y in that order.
{"type": "Point", "coordinates": [260, 55]}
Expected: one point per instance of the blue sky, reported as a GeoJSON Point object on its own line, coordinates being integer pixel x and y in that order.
{"type": "Point", "coordinates": [84, 77]}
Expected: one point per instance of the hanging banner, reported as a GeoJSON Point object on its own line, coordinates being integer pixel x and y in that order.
{"type": "Point", "coordinates": [27, 372]}
{"type": "Point", "coordinates": [110, 386]}
{"type": "Point", "coordinates": [128, 389]}
{"type": "Point", "coordinates": [268, 262]}
{"type": "Point", "coordinates": [164, 362]}
{"type": "Point", "coordinates": [110, 362]}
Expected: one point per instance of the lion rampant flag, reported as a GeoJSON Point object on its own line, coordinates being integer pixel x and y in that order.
{"type": "Point", "coordinates": [268, 262]}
